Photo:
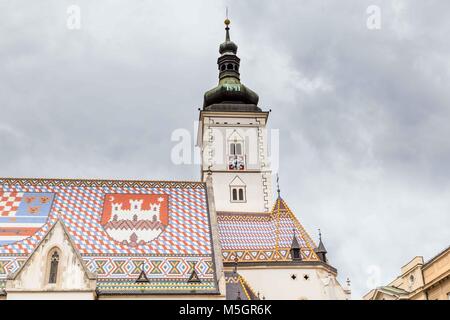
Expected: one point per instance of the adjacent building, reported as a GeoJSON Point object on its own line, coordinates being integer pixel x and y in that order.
{"type": "Point", "coordinates": [418, 281]}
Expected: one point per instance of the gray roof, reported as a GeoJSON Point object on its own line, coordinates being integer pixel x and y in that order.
{"type": "Point", "coordinates": [237, 287]}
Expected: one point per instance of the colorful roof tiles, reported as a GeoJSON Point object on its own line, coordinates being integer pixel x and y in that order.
{"type": "Point", "coordinates": [263, 237]}
{"type": "Point", "coordinates": [118, 228]}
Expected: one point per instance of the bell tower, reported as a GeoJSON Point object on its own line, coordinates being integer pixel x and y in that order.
{"type": "Point", "coordinates": [233, 140]}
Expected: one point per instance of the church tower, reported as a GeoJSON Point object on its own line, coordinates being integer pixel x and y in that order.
{"type": "Point", "coordinates": [233, 140]}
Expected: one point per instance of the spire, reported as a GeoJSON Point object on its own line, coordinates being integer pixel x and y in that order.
{"type": "Point", "coordinates": [228, 45]}
{"type": "Point", "coordinates": [295, 248]}
{"type": "Point", "coordinates": [227, 28]}
{"type": "Point", "coordinates": [228, 50]}
{"type": "Point", "coordinates": [230, 94]}
{"type": "Point", "coordinates": [320, 250]}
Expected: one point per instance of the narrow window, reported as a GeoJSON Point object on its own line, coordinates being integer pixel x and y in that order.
{"type": "Point", "coordinates": [235, 149]}
{"type": "Point", "coordinates": [232, 149]}
{"type": "Point", "coordinates": [237, 194]}
{"type": "Point", "coordinates": [234, 196]}
{"type": "Point", "coordinates": [53, 267]}
{"type": "Point", "coordinates": [241, 194]}
{"type": "Point", "coordinates": [238, 149]}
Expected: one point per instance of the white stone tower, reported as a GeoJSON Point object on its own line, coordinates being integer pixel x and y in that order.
{"type": "Point", "coordinates": [233, 140]}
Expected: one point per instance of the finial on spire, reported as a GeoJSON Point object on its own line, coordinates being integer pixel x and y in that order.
{"type": "Point", "coordinates": [320, 250]}
{"type": "Point", "coordinates": [227, 21]}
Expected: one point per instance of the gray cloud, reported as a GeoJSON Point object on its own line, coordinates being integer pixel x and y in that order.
{"type": "Point", "coordinates": [363, 114]}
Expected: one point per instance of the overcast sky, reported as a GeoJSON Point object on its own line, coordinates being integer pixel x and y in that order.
{"type": "Point", "coordinates": [363, 114]}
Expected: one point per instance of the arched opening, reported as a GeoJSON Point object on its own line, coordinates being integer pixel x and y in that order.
{"type": "Point", "coordinates": [238, 194]}
{"type": "Point", "coordinates": [53, 264]}
{"type": "Point", "coordinates": [241, 194]}
{"type": "Point", "coordinates": [229, 66]}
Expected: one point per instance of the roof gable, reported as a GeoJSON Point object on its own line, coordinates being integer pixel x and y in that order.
{"type": "Point", "coordinates": [237, 182]}
{"type": "Point", "coordinates": [72, 272]}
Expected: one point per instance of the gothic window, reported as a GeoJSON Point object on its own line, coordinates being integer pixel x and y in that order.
{"type": "Point", "coordinates": [54, 262]}
{"type": "Point", "coordinates": [236, 157]}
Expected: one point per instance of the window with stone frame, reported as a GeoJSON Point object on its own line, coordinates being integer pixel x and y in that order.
{"type": "Point", "coordinates": [54, 266]}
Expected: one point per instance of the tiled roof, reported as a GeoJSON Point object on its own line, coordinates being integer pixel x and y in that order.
{"type": "Point", "coordinates": [262, 237]}
{"type": "Point", "coordinates": [180, 234]}
{"type": "Point", "coordinates": [238, 288]}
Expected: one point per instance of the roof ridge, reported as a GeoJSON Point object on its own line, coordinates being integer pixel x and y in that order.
{"type": "Point", "coordinates": [2, 179]}
{"type": "Point", "coordinates": [101, 183]}
{"type": "Point", "coordinates": [246, 285]}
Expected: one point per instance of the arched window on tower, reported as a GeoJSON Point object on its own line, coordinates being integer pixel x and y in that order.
{"type": "Point", "coordinates": [54, 263]}
{"type": "Point", "coordinates": [236, 148]}
{"type": "Point", "coordinates": [236, 156]}
{"type": "Point", "coordinates": [237, 190]}
{"type": "Point", "coordinates": [238, 194]}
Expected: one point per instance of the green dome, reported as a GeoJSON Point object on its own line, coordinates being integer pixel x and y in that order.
{"type": "Point", "coordinates": [221, 97]}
